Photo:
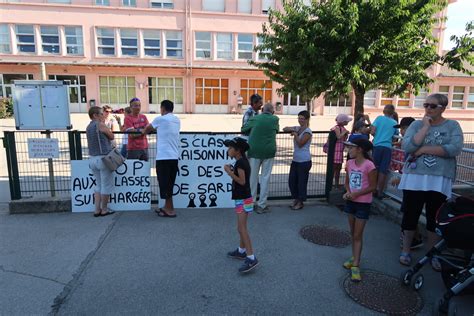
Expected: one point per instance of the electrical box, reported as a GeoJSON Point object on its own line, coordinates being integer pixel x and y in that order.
{"type": "Point", "coordinates": [41, 105]}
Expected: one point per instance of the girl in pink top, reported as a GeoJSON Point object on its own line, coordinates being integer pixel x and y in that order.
{"type": "Point", "coordinates": [361, 181]}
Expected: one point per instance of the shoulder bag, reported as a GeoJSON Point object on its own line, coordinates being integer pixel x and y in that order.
{"type": "Point", "coordinates": [113, 160]}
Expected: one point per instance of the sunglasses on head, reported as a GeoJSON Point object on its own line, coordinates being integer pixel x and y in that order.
{"type": "Point", "coordinates": [432, 105]}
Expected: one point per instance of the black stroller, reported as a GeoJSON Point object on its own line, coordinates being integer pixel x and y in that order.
{"type": "Point", "coordinates": [455, 223]}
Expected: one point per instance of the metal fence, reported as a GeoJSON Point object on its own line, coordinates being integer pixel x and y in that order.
{"type": "Point", "coordinates": [51, 177]}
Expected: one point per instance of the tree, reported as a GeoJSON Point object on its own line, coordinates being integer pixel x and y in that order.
{"type": "Point", "coordinates": [339, 45]}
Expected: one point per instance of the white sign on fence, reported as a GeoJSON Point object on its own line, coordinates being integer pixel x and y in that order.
{"type": "Point", "coordinates": [202, 181]}
{"type": "Point", "coordinates": [131, 192]}
{"type": "Point", "coordinates": [43, 148]}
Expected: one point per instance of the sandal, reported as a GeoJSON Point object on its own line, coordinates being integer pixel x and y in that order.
{"type": "Point", "coordinates": [298, 206]}
{"type": "Point", "coordinates": [162, 213]}
{"type": "Point", "coordinates": [436, 264]}
{"type": "Point", "coordinates": [405, 259]}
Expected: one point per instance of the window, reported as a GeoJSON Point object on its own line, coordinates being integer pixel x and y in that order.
{"type": "Point", "coordinates": [25, 38]}
{"type": "Point", "coordinates": [338, 101]}
{"type": "Point", "coordinates": [106, 41]}
{"type": "Point", "coordinates": [458, 97]}
{"type": "Point", "coordinates": [225, 46]}
{"type": "Point", "coordinates": [74, 44]}
{"type": "Point", "coordinates": [261, 87]}
{"type": "Point", "coordinates": [162, 4]}
{"type": "Point", "coordinates": [151, 39]}
{"type": "Point", "coordinates": [116, 90]}
{"type": "Point", "coordinates": [470, 98]}
{"type": "Point", "coordinates": [129, 41]}
{"type": "Point", "coordinates": [444, 90]}
{"type": "Point", "coordinates": [6, 82]}
{"type": "Point", "coordinates": [160, 89]}
{"type": "Point", "coordinates": [77, 87]}
{"type": "Point", "coordinates": [129, 3]}
{"type": "Point", "coordinates": [420, 98]}
{"type": "Point", "coordinates": [369, 98]}
{"type": "Point", "coordinates": [102, 2]}
{"type": "Point", "coordinates": [262, 55]}
{"type": "Point", "coordinates": [212, 91]}
{"type": "Point", "coordinates": [4, 39]}
{"type": "Point", "coordinates": [244, 6]}
{"type": "Point", "coordinates": [174, 44]}
{"type": "Point", "coordinates": [50, 39]}
{"type": "Point", "coordinates": [404, 100]}
{"type": "Point", "coordinates": [245, 49]}
{"type": "Point", "coordinates": [267, 5]}
{"type": "Point", "coordinates": [386, 99]}
{"type": "Point", "coordinates": [60, 1]}
{"type": "Point", "coordinates": [213, 5]}
{"type": "Point", "coordinates": [203, 45]}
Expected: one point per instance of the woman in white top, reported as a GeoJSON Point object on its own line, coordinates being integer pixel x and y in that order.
{"type": "Point", "coordinates": [429, 171]}
{"type": "Point", "coordinates": [301, 164]}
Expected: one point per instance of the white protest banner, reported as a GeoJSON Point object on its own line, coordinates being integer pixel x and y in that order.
{"type": "Point", "coordinates": [131, 191]}
{"type": "Point", "coordinates": [202, 181]}
{"type": "Point", "coordinates": [43, 148]}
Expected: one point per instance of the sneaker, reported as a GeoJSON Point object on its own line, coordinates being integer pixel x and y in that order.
{"type": "Point", "coordinates": [348, 264]}
{"type": "Point", "coordinates": [248, 265]}
{"type": "Point", "coordinates": [416, 243]}
{"type": "Point", "coordinates": [262, 210]}
{"type": "Point", "coordinates": [355, 274]}
{"type": "Point", "coordinates": [237, 255]}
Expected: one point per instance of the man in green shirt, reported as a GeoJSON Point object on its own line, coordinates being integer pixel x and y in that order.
{"type": "Point", "coordinates": [262, 141]}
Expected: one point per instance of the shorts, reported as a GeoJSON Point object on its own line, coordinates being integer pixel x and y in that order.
{"type": "Point", "coordinates": [244, 205]}
{"type": "Point", "coordinates": [166, 171]}
{"type": "Point", "coordinates": [140, 154]}
{"type": "Point", "coordinates": [357, 209]}
{"type": "Point", "coordinates": [382, 158]}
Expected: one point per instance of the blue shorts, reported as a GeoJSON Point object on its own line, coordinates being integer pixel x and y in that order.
{"type": "Point", "coordinates": [357, 209]}
{"type": "Point", "coordinates": [382, 157]}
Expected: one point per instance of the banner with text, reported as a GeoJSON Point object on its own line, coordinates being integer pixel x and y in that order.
{"type": "Point", "coordinates": [131, 189]}
{"type": "Point", "coordinates": [202, 181]}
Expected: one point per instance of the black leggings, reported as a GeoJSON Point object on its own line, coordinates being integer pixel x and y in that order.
{"type": "Point", "coordinates": [412, 205]}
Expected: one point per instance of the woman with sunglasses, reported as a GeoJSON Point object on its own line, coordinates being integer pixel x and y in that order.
{"type": "Point", "coordinates": [428, 174]}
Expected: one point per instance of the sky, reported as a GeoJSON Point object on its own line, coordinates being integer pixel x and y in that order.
{"type": "Point", "coordinates": [459, 13]}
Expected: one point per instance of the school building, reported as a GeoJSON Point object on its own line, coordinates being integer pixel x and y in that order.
{"type": "Point", "coordinates": [193, 52]}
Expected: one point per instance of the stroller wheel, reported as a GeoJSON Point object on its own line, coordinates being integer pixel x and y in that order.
{"type": "Point", "coordinates": [406, 277]}
{"type": "Point", "coordinates": [417, 281]}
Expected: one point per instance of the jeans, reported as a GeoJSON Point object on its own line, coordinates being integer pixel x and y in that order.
{"type": "Point", "coordinates": [266, 165]}
{"type": "Point", "coordinates": [298, 179]}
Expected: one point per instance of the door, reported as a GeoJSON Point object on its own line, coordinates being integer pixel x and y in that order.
{"type": "Point", "coordinates": [292, 104]}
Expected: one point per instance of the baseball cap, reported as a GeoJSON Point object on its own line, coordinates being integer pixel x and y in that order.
{"type": "Point", "coordinates": [405, 122]}
{"type": "Point", "coordinates": [360, 142]}
{"type": "Point", "coordinates": [340, 118]}
{"type": "Point", "coordinates": [238, 143]}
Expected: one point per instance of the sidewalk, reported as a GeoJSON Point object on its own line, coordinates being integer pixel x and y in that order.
{"type": "Point", "coordinates": [138, 263]}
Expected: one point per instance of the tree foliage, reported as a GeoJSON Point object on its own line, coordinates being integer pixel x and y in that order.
{"type": "Point", "coordinates": [339, 45]}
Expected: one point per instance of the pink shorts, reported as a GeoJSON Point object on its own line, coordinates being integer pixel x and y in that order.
{"type": "Point", "coordinates": [244, 205]}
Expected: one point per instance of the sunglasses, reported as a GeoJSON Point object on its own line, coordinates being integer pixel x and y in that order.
{"type": "Point", "coordinates": [432, 105]}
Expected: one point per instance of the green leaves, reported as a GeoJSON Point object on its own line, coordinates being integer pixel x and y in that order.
{"type": "Point", "coordinates": [360, 44]}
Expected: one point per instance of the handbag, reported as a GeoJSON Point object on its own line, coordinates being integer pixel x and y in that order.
{"type": "Point", "coordinates": [326, 145]}
{"type": "Point", "coordinates": [113, 160]}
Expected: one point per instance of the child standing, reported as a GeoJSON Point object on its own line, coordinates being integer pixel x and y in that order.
{"type": "Point", "coordinates": [240, 174]}
{"type": "Point", "coordinates": [360, 182]}
{"type": "Point", "coordinates": [341, 135]}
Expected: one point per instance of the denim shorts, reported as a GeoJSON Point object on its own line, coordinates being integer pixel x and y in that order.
{"type": "Point", "coordinates": [357, 209]}
{"type": "Point", "coordinates": [382, 158]}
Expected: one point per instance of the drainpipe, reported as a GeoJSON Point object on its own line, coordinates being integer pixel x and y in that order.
{"type": "Point", "coordinates": [189, 59]}
{"type": "Point", "coordinates": [43, 71]}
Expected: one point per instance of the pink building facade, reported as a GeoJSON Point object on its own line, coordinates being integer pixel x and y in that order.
{"type": "Point", "coordinates": [193, 52]}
